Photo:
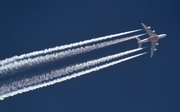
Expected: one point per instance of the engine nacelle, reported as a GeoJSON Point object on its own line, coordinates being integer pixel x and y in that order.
{"type": "Point", "coordinates": [149, 27]}
{"type": "Point", "coordinates": [153, 31]}
{"type": "Point", "coordinates": [155, 49]}
{"type": "Point", "coordinates": [157, 43]}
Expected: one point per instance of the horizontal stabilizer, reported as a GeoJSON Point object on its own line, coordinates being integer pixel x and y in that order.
{"type": "Point", "coordinates": [140, 44]}
{"type": "Point", "coordinates": [138, 39]}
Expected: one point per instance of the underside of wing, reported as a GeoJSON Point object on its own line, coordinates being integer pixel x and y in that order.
{"type": "Point", "coordinates": [151, 33]}
{"type": "Point", "coordinates": [153, 47]}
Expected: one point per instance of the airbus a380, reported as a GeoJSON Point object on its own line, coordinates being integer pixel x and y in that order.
{"type": "Point", "coordinates": [153, 38]}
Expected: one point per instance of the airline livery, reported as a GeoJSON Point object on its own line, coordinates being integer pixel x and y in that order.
{"type": "Point", "coordinates": [153, 38]}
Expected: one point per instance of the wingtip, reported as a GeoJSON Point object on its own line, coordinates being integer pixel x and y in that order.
{"type": "Point", "coordinates": [143, 24]}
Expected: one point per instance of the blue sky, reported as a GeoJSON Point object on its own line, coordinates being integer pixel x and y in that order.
{"type": "Point", "coordinates": [138, 85]}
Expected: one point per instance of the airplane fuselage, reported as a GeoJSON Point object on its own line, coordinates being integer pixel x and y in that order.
{"type": "Point", "coordinates": [152, 38]}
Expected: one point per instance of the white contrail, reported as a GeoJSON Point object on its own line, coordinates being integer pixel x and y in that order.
{"type": "Point", "coordinates": [28, 81]}
{"type": "Point", "coordinates": [25, 64]}
{"type": "Point", "coordinates": [49, 50]}
{"type": "Point", "coordinates": [61, 72]}
{"type": "Point", "coordinates": [74, 75]}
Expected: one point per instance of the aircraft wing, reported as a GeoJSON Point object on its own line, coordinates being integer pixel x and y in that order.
{"type": "Point", "coordinates": [151, 34]}
{"type": "Point", "coordinates": [153, 47]}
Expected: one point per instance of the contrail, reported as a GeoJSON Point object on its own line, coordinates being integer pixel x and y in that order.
{"type": "Point", "coordinates": [28, 81]}
{"type": "Point", "coordinates": [61, 72]}
{"type": "Point", "coordinates": [35, 53]}
{"type": "Point", "coordinates": [25, 64]}
{"type": "Point", "coordinates": [74, 75]}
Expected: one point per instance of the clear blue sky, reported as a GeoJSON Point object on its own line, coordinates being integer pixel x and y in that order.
{"type": "Point", "coordinates": [140, 85]}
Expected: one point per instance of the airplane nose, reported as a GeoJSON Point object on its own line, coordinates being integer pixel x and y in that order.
{"type": "Point", "coordinates": [163, 35]}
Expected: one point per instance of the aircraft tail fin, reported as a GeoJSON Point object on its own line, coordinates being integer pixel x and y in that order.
{"type": "Point", "coordinates": [138, 39]}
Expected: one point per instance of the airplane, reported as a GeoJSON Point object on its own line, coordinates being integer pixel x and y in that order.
{"type": "Point", "coordinates": [153, 38]}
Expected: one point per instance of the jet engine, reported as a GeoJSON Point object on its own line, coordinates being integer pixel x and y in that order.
{"type": "Point", "coordinates": [153, 31]}
{"type": "Point", "coordinates": [149, 27]}
{"type": "Point", "coordinates": [155, 49]}
{"type": "Point", "coordinates": [157, 43]}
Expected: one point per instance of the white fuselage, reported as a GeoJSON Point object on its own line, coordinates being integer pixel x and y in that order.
{"type": "Point", "coordinates": [152, 38]}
